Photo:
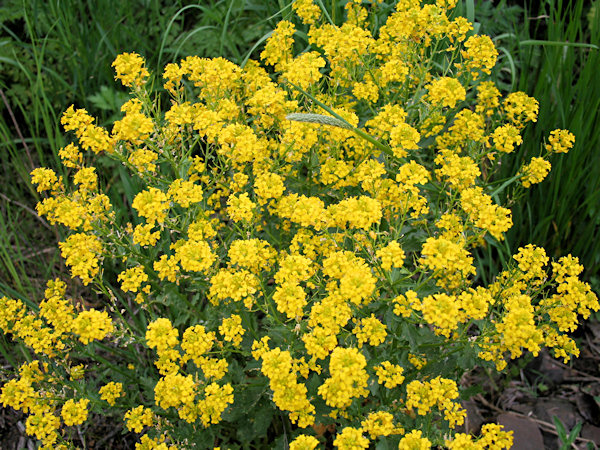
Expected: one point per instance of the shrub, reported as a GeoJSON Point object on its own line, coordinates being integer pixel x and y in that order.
{"type": "Point", "coordinates": [299, 246]}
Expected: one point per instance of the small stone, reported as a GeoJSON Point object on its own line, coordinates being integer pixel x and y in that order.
{"type": "Point", "coordinates": [526, 433]}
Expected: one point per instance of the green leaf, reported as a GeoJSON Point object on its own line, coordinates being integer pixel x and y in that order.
{"type": "Point", "coordinates": [319, 119]}
{"type": "Point", "coordinates": [108, 99]}
{"type": "Point", "coordinates": [560, 429]}
{"type": "Point", "coordinates": [382, 444]}
{"type": "Point", "coordinates": [261, 420]}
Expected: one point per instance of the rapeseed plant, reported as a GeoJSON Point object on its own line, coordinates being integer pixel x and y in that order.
{"type": "Point", "coordinates": [302, 244]}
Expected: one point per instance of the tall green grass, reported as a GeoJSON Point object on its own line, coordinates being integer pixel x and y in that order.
{"type": "Point", "coordinates": [558, 57]}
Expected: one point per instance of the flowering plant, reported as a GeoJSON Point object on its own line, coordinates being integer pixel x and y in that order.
{"type": "Point", "coordinates": [300, 244]}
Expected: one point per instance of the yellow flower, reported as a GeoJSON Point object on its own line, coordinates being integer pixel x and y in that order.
{"type": "Point", "coordinates": [144, 236]}
{"type": "Point", "coordinates": [370, 330]}
{"type": "Point", "coordinates": [135, 127]}
{"type": "Point", "coordinates": [450, 261]}
{"type": "Point", "coordinates": [288, 394]}
{"type": "Point", "coordinates": [560, 141]}
{"type": "Point", "coordinates": [161, 335]}
{"type": "Point", "coordinates": [81, 252]}
{"type": "Point", "coordinates": [152, 204]}
{"type": "Point", "coordinates": [130, 69]}
{"type": "Point", "coordinates": [174, 390]}
{"type": "Point", "coordinates": [492, 436]}
{"type": "Point", "coordinates": [196, 342]}
{"type": "Point", "coordinates": [147, 443]}
{"type": "Point", "coordinates": [238, 285]}
{"type": "Point", "coordinates": [44, 425]}
{"type": "Point", "coordinates": [483, 213]}
{"type": "Point", "coordinates": [304, 70]}
{"type": "Point", "coordinates": [480, 53]}
{"type": "Point", "coordinates": [445, 91]}
{"type": "Point", "coordinates": [356, 212]}
{"type": "Point", "coordinates": [304, 442]}
{"type": "Point", "coordinates": [405, 303]}
{"type": "Point", "coordinates": [194, 256]}
{"type": "Point", "coordinates": [137, 418]}
{"type": "Point", "coordinates": [75, 413]}
{"type": "Point", "coordinates": [216, 399]}
{"type": "Point", "coordinates": [92, 324]}
{"type": "Point", "coordinates": [403, 137]}
{"type": "Point", "coordinates": [391, 255]}
{"type": "Point", "coordinates": [268, 185]}
{"type": "Point", "coordinates": [240, 208]}
{"type": "Point", "coordinates": [487, 98]}
{"type": "Point", "coordinates": [255, 255]}
{"type": "Point", "coordinates": [520, 108]}
{"type": "Point", "coordinates": [439, 392]}
{"type": "Point", "coordinates": [378, 423]}
{"type": "Point", "coordinates": [185, 193]}
{"type": "Point", "coordinates": [308, 12]}
{"type": "Point", "coordinates": [506, 137]}
{"type": "Point", "coordinates": [45, 179]}
{"type": "Point", "coordinates": [351, 439]}
{"type": "Point", "coordinates": [70, 156]}
{"type": "Point", "coordinates": [389, 375]}
{"type": "Point", "coordinates": [278, 49]}
{"type": "Point", "coordinates": [348, 378]}
{"type": "Point", "coordinates": [111, 391]}
{"type": "Point", "coordinates": [231, 329]}
{"type": "Point", "coordinates": [290, 299]}
{"type": "Point", "coordinates": [132, 279]}
{"type": "Point", "coordinates": [535, 171]}
{"type": "Point", "coordinates": [143, 160]}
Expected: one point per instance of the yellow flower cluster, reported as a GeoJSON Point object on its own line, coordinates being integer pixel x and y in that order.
{"type": "Point", "coordinates": [560, 141]}
{"type": "Point", "coordinates": [216, 400]}
{"type": "Point", "coordinates": [450, 262]}
{"type": "Point", "coordinates": [446, 92]}
{"type": "Point", "coordinates": [143, 160]}
{"type": "Point", "coordinates": [351, 439]}
{"type": "Point", "coordinates": [304, 442]}
{"type": "Point", "coordinates": [307, 11]}
{"type": "Point", "coordinates": [414, 441]}
{"type": "Point", "coordinates": [506, 137]}
{"type": "Point", "coordinates": [288, 394]}
{"type": "Point", "coordinates": [535, 171]}
{"type": "Point", "coordinates": [231, 329]}
{"type": "Point", "coordinates": [480, 53]}
{"type": "Point", "coordinates": [484, 214]}
{"type": "Point", "coordinates": [152, 205]}
{"type": "Point", "coordinates": [139, 417]}
{"type": "Point", "coordinates": [440, 393]}
{"type": "Point", "coordinates": [370, 330]}
{"type": "Point", "coordinates": [74, 413]}
{"type": "Point", "coordinates": [132, 279]}
{"type": "Point", "coordinates": [391, 255]}
{"type": "Point", "coordinates": [348, 378]}
{"type": "Point", "coordinates": [111, 391]}
{"type": "Point", "coordinates": [492, 436]}
{"type": "Point", "coordinates": [130, 69]}
{"type": "Point", "coordinates": [135, 127]}
{"type": "Point", "coordinates": [389, 375]}
{"type": "Point", "coordinates": [92, 324]}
